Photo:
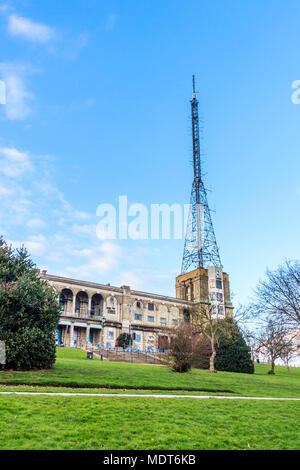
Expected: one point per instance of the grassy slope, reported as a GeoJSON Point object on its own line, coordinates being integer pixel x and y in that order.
{"type": "Point", "coordinates": [146, 423]}
{"type": "Point", "coordinates": [72, 369]}
{"type": "Point", "coordinates": [40, 422]}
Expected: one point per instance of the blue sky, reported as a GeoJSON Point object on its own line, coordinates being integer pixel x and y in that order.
{"type": "Point", "coordinates": [98, 106]}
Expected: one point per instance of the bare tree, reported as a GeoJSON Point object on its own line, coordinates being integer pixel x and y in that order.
{"type": "Point", "coordinates": [181, 350]}
{"type": "Point", "coordinates": [278, 296]}
{"type": "Point", "coordinates": [274, 340]}
{"type": "Point", "coordinates": [208, 320]}
{"type": "Point", "coordinates": [289, 352]}
{"type": "Point", "coordinates": [251, 341]}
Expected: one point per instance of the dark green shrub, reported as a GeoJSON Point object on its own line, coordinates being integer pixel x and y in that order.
{"type": "Point", "coordinates": [233, 353]}
{"type": "Point", "coordinates": [124, 340]}
{"type": "Point", "coordinates": [29, 312]}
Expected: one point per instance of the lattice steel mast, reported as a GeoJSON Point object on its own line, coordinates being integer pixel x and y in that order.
{"type": "Point", "coordinates": [200, 247]}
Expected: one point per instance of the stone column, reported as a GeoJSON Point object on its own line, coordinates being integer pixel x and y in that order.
{"type": "Point", "coordinates": [71, 334]}
{"type": "Point", "coordinates": [74, 301]}
{"type": "Point", "coordinates": [87, 334]}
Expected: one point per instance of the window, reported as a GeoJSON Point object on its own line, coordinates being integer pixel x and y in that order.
{"type": "Point", "coordinates": [138, 305]}
{"type": "Point", "coordinates": [137, 337]}
{"type": "Point", "coordinates": [213, 296]}
{"type": "Point", "coordinates": [137, 316]}
{"type": "Point", "coordinates": [212, 283]}
{"type": "Point", "coordinates": [162, 320]}
{"type": "Point", "coordinates": [110, 334]}
{"type": "Point", "coordinates": [150, 306]}
{"type": "Point", "coordinates": [219, 297]}
{"type": "Point", "coordinates": [220, 309]}
{"type": "Point", "coordinates": [219, 284]}
{"type": "Point", "coordinates": [111, 311]}
{"type": "Point", "coordinates": [150, 318]}
{"type": "Point", "coordinates": [175, 322]}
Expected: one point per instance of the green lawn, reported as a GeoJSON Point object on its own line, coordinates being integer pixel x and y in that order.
{"type": "Point", "coordinates": [146, 423]}
{"type": "Point", "coordinates": [43, 422]}
{"type": "Point", "coordinates": [72, 369]}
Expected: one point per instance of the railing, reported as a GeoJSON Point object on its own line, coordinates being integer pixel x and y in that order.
{"type": "Point", "coordinates": [88, 315]}
{"type": "Point", "coordinates": [128, 355]}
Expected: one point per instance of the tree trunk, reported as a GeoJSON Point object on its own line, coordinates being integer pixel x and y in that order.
{"type": "Point", "coordinates": [272, 372]}
{"type": "Point", "coordinates": [212, 357]}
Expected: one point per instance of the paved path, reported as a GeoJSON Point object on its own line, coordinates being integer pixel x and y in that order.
{"type": "Point", "coordinates": [135, 395]}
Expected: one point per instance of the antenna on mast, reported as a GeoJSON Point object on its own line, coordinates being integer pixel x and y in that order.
{"type": "Point", "coordinates": [194, 92]}
{"type": "Point", "coordinates": [200, 247]}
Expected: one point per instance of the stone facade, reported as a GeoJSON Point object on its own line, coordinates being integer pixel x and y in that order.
{"type": "Point", "coordinates": [208, 286]}
{"type": "Point", "coordinates": [97, 314]}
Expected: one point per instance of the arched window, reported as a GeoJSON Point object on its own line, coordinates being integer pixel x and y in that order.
{"type": "Point", "coordinates": [97, 305]}
{"type": "Point", "coordinates": [81, 305]}
{"type": "Point", "coordinates": [66, 300]}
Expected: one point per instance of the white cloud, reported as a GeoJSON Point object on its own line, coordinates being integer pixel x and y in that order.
{"type": "Point", "coordinates": [89, 229]}
{"type": "Point", "coordinates": [132, 279]}
{"type": "Point", "coordinates": [14, 163]}
{"type": "Point", "coordinates": [100, 260]}
{"type": "Point", "coordinates": [30, 30]}
{"type": "Point", "coordinates": [31, 202]}
{"type": "Point", "coordinates": [36, 245]}
{"type": "Point", "coordinates": [18, 98]}
{"type": "Point", "coordinates": [36, 224]}
{"type": "Point", "coordinates": [5, 191]}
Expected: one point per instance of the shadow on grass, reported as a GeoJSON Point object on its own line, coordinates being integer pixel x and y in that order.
{"type": "Point", "coordinates": [113, 387]}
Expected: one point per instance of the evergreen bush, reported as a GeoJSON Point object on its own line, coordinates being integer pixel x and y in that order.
{"type": "Point", "coordinates": [29, 312]}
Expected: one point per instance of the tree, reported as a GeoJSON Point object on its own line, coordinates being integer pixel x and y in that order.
{"type": "Point", "coordinates": [278, 296]}
{"type": "Point", "coordinates": [29, 312]}
{"type": "Point", "coordinates": [201, 351]}
{"type": "Point", "coordinates": [274, 340]}
{"type": "Point", "coordinates": [289, 352]}
{"type": "Point", "coordinates": [207, 321]}
{"type": "Point", "coordinates": [233, 353]}
{"type": "Point", "coordinates": [181, 350]}
{"type": "Point", "coordinates": [124, 340]}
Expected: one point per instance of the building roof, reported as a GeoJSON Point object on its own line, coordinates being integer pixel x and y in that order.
{"type": "Point", "coordinates": [108, 287]}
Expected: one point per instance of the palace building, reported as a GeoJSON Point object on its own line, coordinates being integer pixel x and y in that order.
{"type": "Point", "coordinates": [96, 314]}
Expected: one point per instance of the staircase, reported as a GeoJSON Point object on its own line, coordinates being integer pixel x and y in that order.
{"type": "Point", "coordinates": [120, 355]}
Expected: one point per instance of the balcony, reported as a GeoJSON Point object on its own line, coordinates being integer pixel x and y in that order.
{"type": "Point", "coordinates": [90, 315]}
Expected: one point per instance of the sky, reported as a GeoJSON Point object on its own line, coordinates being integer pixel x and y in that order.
{"type": "Point", "coordinates": [98, 106]}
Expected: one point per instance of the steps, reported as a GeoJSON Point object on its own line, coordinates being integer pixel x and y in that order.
{"type": "Point", "coordinates": [119, 355]}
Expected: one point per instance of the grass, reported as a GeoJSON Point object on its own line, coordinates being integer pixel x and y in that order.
{"type": "Point", "coordinates": [146, 423]}
{"type": "Point", "coordinates": [72, 369]}
{"type": "Point", "coordinates": [110, 423]}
